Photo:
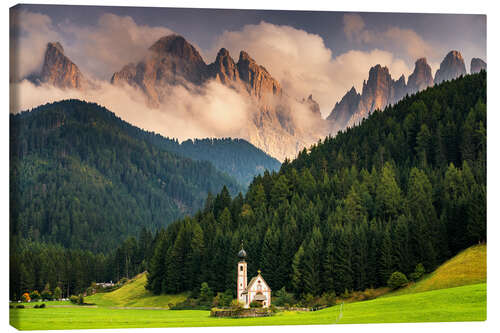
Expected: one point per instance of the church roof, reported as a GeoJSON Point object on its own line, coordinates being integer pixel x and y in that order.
{"type": "Point", "coordinates": [253, 280]}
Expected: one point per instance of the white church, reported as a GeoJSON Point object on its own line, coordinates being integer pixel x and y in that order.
{"type": "Point", "coordinates": [257, 290]}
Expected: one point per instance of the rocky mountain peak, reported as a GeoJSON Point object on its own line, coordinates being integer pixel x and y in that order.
{"type": "Point", "coordinates": [344, 110]}
{"type": "Point", "coordinates": [223, 68]}
{"type": "Point", "coordinates": [58, 70]}
{"type": "Point", "coordinates": [476, 65]}
{"type": "Point", "coordinates": [421, 77]}
{"type": "Point", "coordinates": [258, 80]}
{"type": "Point", "coordinates": [451, 67]}
{"type": "Point", "coordinates": [178, 46]}
{"type": "Point", "coordinates": [56, 46]}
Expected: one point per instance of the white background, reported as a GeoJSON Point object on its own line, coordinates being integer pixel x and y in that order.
{"type": "Point", "coordinates": [422, 6]}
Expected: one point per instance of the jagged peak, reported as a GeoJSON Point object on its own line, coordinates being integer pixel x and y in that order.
{"type": "Point", "coordinates": [55, 45]}
{"type": "Point", "coordinates": [175, 45]}
{"type": "Point", "coordinates": [454, 54]}
{"type": "Point", "coordinates": [421, 61]}
{"type": "Point", "coordinates": [244, 56]}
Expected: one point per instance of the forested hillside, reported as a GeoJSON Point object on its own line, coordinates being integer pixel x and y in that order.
{"type": "Point", "coordinates": [406, 186]}
{"type": "Point", "coordinates": [85, 179]}
{"type": "Point", "coordinates": [237, 157]}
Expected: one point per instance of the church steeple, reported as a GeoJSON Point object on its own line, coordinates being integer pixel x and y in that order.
{"type": "Point", "coordinates": [242, 254]}
{"type": "Point", "coordinates": [242, 276]}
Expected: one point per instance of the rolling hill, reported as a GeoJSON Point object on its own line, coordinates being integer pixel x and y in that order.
{"type": "Point", "coordinates": [466, 268]}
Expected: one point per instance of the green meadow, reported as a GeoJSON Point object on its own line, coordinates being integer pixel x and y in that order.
{"type": "Point", "coordinates": [454, 292]}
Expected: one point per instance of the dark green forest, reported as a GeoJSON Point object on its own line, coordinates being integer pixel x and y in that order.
{"type": "Point", "coordinates": [237, 157]}
{"type": "Point", "coordinates": [83, 178]}
{"type": "Point", "coordinates": [405, 187]}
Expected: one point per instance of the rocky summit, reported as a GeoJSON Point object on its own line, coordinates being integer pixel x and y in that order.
{"type": "Point", "coordinates": [421, 78]}
{"type": "Point", "coordinates": [476, 65]}
{"type": "Point", "coordinates": [451, 67]}
{"type": "Point", "coordinates": [58, 70]}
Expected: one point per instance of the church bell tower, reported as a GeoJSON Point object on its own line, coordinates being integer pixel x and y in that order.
{"type": "Point", "coordinates": [242, 276]}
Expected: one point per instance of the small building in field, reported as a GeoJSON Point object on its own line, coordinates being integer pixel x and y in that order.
{"type": "Point", "coordinates": [256, 290]}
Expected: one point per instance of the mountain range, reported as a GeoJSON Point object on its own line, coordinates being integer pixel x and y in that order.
{"type": "Point", "coordinates": [275, 124]}
{"type": "Point", "coordinates": [381, 90]}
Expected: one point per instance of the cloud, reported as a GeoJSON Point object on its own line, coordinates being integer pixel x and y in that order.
{"type": "Point", "coordinates": [29, 34]}
{"type": "Point", "coordinates": [114, 42]}
{"type": "Point", "coordinates": [215, 111]}
{"type": "Point", "coordinates": [309, 67]}
{"type": "Point", "coordinates": [404, 41]}
{"type": "Point", "coordinates": [353, 25]}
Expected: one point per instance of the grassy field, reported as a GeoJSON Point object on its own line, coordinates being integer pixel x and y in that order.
{"type": "Point", "coordinates": [466, 268]}
{"type": "Point", "coordinates": [133, 294]}
{"type": "Point", "coordinates": [454, 292]}
{"type": "Point", "coordinates": [467, 303]}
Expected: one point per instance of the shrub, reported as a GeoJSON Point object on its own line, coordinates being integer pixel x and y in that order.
{"type": "Point", "coordinates": [255, 304]}
{"type": "Point", "coordinates": [42, 306]}
{"type": "Point", "coordinates": [35, 295]}
{"type": "Point", "coordinates": [397, 280]}
{"type": "Point", "coordinates": [74, 299]}
{"type": "Point", "coordinates": [206, 294]}
{"type": "Point", "coordinates": [418, 273]}
{"type": "Point", "coordinates": [11, 306]}
{"type": "Point", "coordinates": [328, 299]}
{"type": "Point", "coordinates": [282, 297]}
{"type": "Point", "coordinates": [81, 300]}
{"type": "Point", "coordinates": [36, 306]}
{"type": "Point", "coordinates": [57, 293]}
{"type": "Point", "coordinates": [20, 306]}
{"type": "Point", "coordinates": [236, 305]}
{"type": "Point", "coordinates": [46, 294]}
{"type": "Point", "coordinates": [308, 301]}
{"type": "Point", "coordinates": [369, 294]}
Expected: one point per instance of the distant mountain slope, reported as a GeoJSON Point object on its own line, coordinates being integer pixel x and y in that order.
{"type": "Point", "coordinates": [82, 177]}
{"type": "Point", "coordinates": [237, 157]}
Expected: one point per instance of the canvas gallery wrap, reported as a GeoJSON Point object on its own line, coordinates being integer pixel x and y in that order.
{"type": "Point", "coordinates": [205, 167]}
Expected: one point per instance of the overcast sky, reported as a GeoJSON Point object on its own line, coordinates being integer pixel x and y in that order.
{"type": "Point", "coordinates": [328, 52]}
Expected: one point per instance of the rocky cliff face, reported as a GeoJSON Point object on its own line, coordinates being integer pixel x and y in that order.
{"type": "Point", "coordinates": [274, 126]}
{"type": "Point", "coordinates": [476, 65]}
{"type": "Point", "coordinates": [59, 70]}
{"type": "Point", "coordinates": [378, 91]}
{"type": "Point", "coordinates": [421, 78]}
{"type": "Point", "coordinates": [172, 61]}
{"type": "Point", "coordinates": [344, 110]}
{"type": "Point", "coordinates": [451, 67]}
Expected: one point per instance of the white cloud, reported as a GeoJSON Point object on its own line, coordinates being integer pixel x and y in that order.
{"type": "Point", "coordinates": [215, 111]}
{"type": "Point", "coordinates": [404, 41]}
{"type": "Point", "coordinates": [30, 32]}
{"type": "Point", "coordinates": [114, 42]}
{"type": "Point", "coordinates": [302, 63]}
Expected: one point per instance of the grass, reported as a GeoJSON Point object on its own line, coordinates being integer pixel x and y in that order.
{"type": "Point", "coordinates": [456, 291]}
{"type": "Point", "coordinates": [133, 294]}
{"type": "Point", "coordinates": [466, 303]}
{"type": "Point", "coordinates": [467, 267]}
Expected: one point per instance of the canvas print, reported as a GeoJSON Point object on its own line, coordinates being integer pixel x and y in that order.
{"type": "Point", "coordinates": [206, 167]}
